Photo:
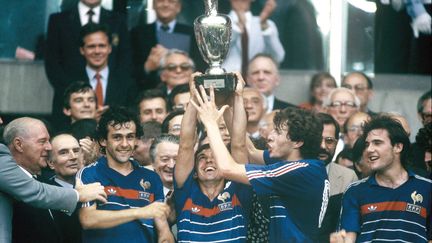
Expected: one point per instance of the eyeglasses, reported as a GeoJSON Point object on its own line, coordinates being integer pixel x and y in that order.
{"type": "Point", "coordinates": [183, 67]}
{"type": "Point", "coordinates": [329, 141]}
{"type": "Point", "coordinates": [355, 129]}
{"type": "Point", "coordinates": [357, 88]}
{"type": "Point", "coordinates": [337, 104]}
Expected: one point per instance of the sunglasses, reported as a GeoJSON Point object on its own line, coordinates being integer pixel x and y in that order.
{"type": "Point", "coordinates": [173, 67]}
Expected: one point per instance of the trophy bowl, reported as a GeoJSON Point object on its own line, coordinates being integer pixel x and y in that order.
{"type": "Point", "coordinates": [213, 36]}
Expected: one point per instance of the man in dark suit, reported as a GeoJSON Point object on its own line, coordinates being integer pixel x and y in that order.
{"type": "Point", "coordinates": [63, 62]}
{"type": "Point", "coordinates": [65, 159]}
{"type": "Point", "coordinates": [263, 74]}
{"type": "Point", "coordinates": [151, 41]}
{"type": "Point", "coordinates": [112, 86]}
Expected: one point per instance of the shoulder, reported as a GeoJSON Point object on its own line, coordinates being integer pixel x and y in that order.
{"type": "Point", "coordinates": [423, 179]}
{"type": "Point", "coordinates": [280, 104]}
{"type": "Point", "coordinates": [341, 170]}
{"type": "Point", "coordinates": [183, 28]}
{"type": "Point", "coordinates": [358, 185]}
{"type": "Point", "coordinates": [88, 171]}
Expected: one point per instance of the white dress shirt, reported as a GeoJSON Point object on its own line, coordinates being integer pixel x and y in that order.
{"type": "Point", "coordinates": [260, 41]}
{"type": "Point", "coordinates": [83, 10]}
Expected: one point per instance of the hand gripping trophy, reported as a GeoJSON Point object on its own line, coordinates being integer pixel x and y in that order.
{"type": "Point", "coordinates": [213, 35]}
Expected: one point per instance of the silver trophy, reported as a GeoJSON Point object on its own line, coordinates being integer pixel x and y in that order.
{"type": "Point", "coordinates": [213, 35]}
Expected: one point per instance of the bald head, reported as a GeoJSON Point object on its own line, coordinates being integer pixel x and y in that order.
{"type": "Point", "coordinates": [20, 127]}
{"type": "Point", "coordinates": [28, 141]}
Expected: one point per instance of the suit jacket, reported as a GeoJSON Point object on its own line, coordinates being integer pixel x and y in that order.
{"type": "Point", "coordinates": [120, 90]}
{"type": "Point", "coordinates": [144, 37]}
{"type": "Point", "coordinates": [31, 224]}
{"type": "Point", "coordinates": [68, 226]}
{"type": "Point", "coordinates": [64, 63]}
{"type": "Point", "coordinates": [15, 183]}
{"type": "Point", "coordinates": [340, 178]}
{"type": "Point", "coordinates": [280, 105]}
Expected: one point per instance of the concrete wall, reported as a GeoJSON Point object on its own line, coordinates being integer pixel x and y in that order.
{"type": "Point", "coordinates": [24, 89]}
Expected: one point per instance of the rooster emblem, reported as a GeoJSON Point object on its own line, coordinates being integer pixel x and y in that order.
{"type": "Point", "coordinates": [224, 196]}
{"type": "Point", "coordinates": [145, 184]}
{"type": "Point", "coordinates": [416, 197]}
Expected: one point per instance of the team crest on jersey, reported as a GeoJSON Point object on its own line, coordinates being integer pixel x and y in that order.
{"type": "Point", "coordinates": [413, 208]}
{"type": "Point", "coordinates": [224, 205]}
{"type": "Point", "coordinates": [145, 184]}
{"type": "Point", "coordinates": [224, 196]}
{"type": "Point", "coordinates": [416, 197]}
{"type": "Point", "coordinates": [112, 191]}
{"type": "Point", "coordinates": [144, 196]}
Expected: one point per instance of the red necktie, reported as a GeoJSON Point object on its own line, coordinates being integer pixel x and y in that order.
{"type": "Point", "coordinates": [99, 90]}
{"type": "Point", "coordinates": [245, 51]}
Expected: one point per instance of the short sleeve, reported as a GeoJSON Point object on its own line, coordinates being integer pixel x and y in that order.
{"type": "Point", "coordinates": [87, 177]}
{"type": "Point", "coordinates": [279, 178]}
{"type": "Point", "coordinates": [182, 194]}
{"type": "Point", "coordinates": [350, 214]}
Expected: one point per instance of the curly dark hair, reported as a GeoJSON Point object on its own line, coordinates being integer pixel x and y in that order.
{"type": "Point", "coordinates": [114, 116]}
{"type": "Point", "coordinates": [302, 126]}
{"type": "Point", "coordinates": [424, 137]}
{"type": "Point", "coordinates": [396, 133]}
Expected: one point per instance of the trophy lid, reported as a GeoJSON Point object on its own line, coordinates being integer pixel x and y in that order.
{"type": "Point", "coordinates": [211, 7]}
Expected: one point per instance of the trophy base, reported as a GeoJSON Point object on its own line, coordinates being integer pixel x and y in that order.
{"type": "Point", "coordinates": [222, 83]}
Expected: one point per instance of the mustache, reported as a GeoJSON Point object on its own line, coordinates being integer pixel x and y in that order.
{"type": "Point", "coordinates": [323, 151]}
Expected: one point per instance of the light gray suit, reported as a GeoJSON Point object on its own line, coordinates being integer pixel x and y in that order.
{"type": "Point", "coordinates": [14, 183]}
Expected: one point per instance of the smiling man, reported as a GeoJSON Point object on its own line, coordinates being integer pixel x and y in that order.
{"type": "Point", "coordinates": [66, 160]}
{"type": "Point", "coordinates": [111, 86]}
{"type": "Point", "coordinates": [393, 203]}
{"type": "Point", "coordinates": [163, 152]}
{"type": "Point", "coordinates": [79, 102]}
{"type": "Point", "coordinates": [132, 212]}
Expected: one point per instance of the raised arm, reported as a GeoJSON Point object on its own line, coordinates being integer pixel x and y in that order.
{"type": "Point", "coordinates": [185, 157]}
{"type": "Point", "coordinates": [238, 134]}
{"type": "Point", "coordinates": [255, 155]}
{"type": "Point", "coordinates": [209, 114]}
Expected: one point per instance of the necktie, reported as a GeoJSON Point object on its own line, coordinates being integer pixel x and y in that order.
{"type": "Point", "coordinates": [164, 28]}
{"type": "Point", "coordinates": [99, 91]}
{"type": "Point", "coordinates": [245, 50]}
{"type": "Point", "coordinates": [90, 14]}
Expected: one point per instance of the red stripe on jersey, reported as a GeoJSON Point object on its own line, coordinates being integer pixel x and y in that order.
{"type": "Point", "coordinates": [126, 193]}
{"type": "Point", "coordinates": [390, 206]}
{"type": "Point", "coordinates": [207, 212]}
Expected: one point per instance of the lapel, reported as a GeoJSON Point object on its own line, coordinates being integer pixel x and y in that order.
{"type": "Point", "coordinates": [104, 17]}
{"type": "Point", "coordinates": [74, 18]}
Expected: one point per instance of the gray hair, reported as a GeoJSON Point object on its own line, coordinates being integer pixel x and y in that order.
{"type": "Point", "coordinates": [19, 127]}
{"type": "Point", "coordinates": [328, 100]}
{"type": "Point", "coordinates": [169, 138]}
{"type": "Point", "coordinates": [176, 51]}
